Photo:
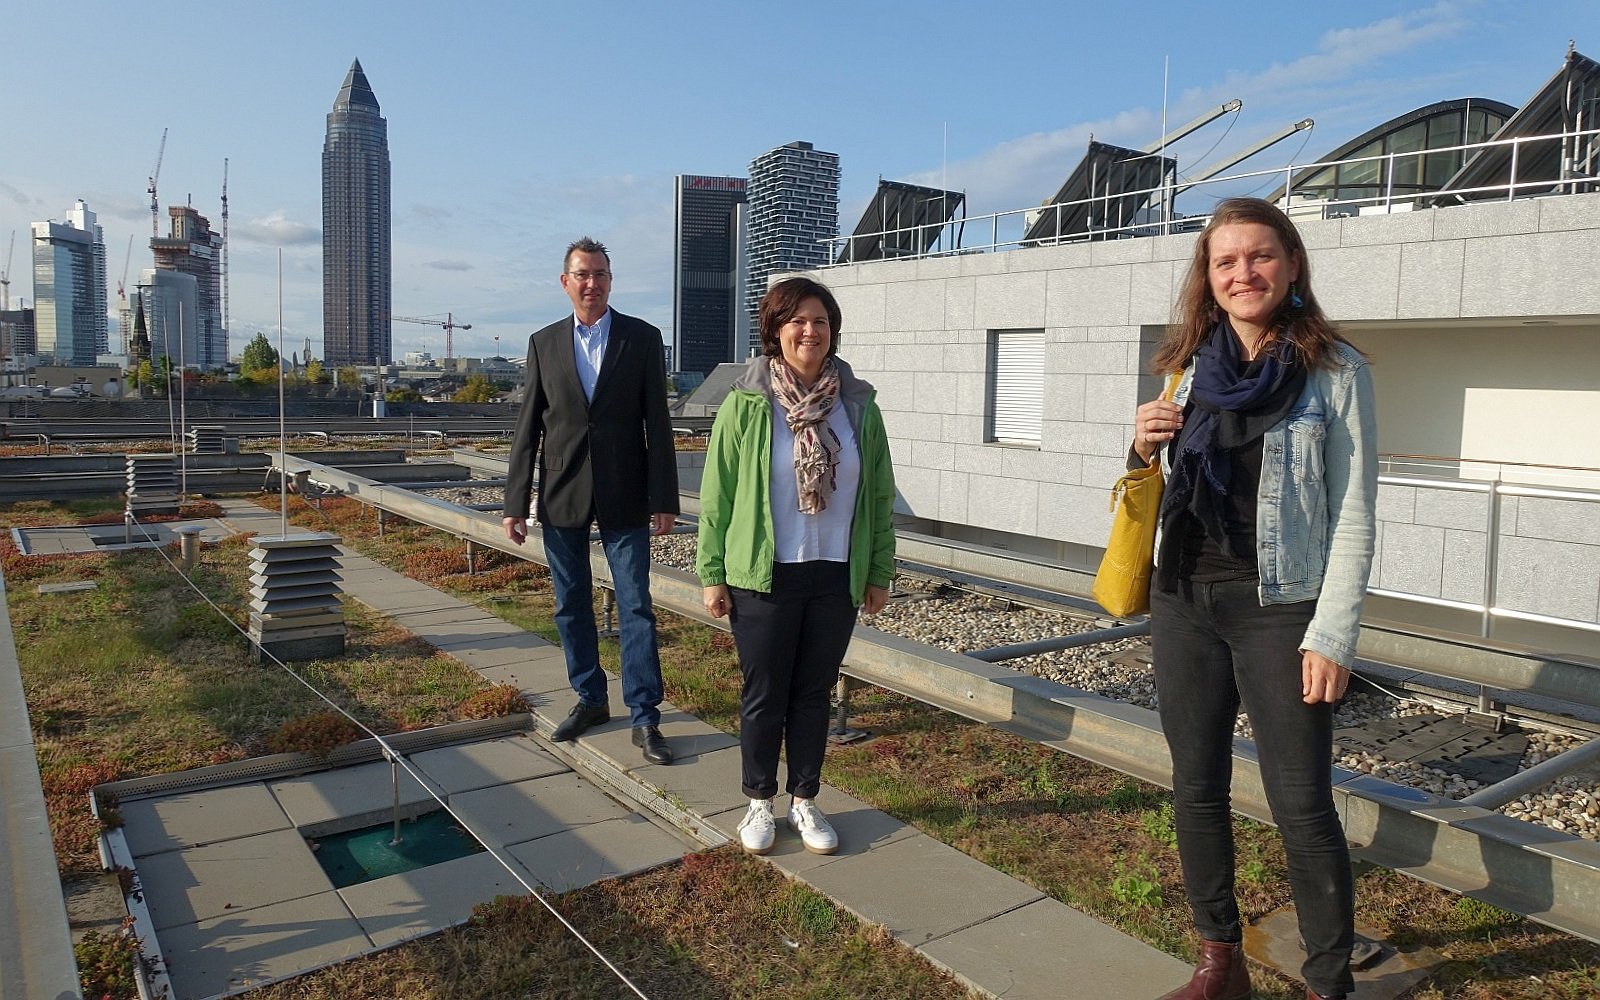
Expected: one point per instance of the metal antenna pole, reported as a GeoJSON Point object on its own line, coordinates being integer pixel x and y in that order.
{"type": "Point", "coordinates": [183, 419]}
{"type": "Point", "coordinates": [283, 439]}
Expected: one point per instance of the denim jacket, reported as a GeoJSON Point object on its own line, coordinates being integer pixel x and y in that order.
{"type": "Point", "coordinates": [1316, 507]}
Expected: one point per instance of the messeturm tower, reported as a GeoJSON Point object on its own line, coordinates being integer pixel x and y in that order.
{"type": "Point", "coordinates": [355, 228]}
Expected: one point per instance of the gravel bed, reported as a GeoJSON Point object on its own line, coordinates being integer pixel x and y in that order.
{"type": "Point", "coordinates": [963, 622]}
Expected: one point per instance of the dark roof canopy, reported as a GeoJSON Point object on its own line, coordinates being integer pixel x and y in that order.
{"type": "Point", "coordinates": [1119, 181]}
{"type": "Point", "coordinates": [901, 220]}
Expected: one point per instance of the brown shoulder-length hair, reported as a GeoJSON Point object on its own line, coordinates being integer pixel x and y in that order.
{"type": "Point", "coordinates": [783, 300]}
{"type": "Point", "coordinates": [1303, 328]}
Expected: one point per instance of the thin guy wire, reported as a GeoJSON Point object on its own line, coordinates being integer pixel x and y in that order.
{"type": "Point", "coordinates": [399, 758]}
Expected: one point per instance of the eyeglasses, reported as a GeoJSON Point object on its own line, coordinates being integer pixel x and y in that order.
{"type": "Point", "coordinates": [581, 276]}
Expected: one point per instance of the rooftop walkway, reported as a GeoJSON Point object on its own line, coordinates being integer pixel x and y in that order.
{"type": "Point", "coordinates": [238, 898]}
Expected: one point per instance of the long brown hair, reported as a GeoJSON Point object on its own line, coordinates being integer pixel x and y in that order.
{"type": "Point", "coordinates": [1304, 328]}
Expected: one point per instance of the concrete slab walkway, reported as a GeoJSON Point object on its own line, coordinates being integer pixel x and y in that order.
{"type": "Point", "coordinates": [275, 918]}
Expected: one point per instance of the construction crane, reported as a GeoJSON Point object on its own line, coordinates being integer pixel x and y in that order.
{"type": "Point", "coordinates": [155, 175]}
{"type": "Point", "coordinates": [5, 276]}
{"type": "Point", "coordinates": [127, 261]}
{"type": "Point", "coordinates": [450, 326]}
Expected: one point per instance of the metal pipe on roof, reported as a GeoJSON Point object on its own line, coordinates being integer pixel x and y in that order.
{"type": "Point", "coordinates": [1203, 120]}
{"type": "Point", "coordinates": [1226, 162]}
{"type": "Point", "coordinates": [1533, 778]}
{"type": "Point", "coordinates": [998, 654]}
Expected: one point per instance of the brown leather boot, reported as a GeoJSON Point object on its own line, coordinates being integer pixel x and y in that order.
{"type": "Point", "coordinates": [1220, 975]}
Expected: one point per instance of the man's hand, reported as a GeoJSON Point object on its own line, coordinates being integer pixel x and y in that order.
{"type": "Point", "coordinates": [660, 524]}
{"type": "Point", "coordinates": [1321, 678]}
{"type": "Point", "coordinates": [876, 598]}
{"type": "Point", "coordinates": [516, 528]}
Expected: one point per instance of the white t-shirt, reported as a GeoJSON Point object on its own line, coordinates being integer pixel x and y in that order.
{"type": "Point", "coordinates": [801, 537]}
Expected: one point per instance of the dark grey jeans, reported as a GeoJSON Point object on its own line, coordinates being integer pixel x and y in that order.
{"type": "Point", "coordinates": [1212, 647]}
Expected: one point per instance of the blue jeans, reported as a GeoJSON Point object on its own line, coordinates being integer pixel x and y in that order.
{"type": "Point", "coordinates": [1214, 644]}
{"type": "Point", "coordinates": [628, 554]}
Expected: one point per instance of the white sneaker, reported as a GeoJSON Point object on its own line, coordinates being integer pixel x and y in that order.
{"type": "Point", "coordinates": [814, 829]}
{"type": "Point", "coordinates": [757, 830]}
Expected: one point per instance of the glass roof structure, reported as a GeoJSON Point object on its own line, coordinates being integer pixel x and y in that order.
{"type": "Point", "coordinates": [1391, 158]}
{"type": "Point", "coordinates": [1111, 188]}
{"type": "Point", "coordinates": [901, 220]}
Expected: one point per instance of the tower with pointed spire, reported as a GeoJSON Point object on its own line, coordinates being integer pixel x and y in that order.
{"type": "Point", "coordinates": [355, 228]}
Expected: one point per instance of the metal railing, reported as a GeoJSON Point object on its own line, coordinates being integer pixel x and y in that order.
{"type": "Point", "coordinates": [1008, 230]}
{"type": "Point", "coordinates": [1494, 489]}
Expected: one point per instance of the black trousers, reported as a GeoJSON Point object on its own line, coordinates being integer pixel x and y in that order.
{"type": "Point", "coordinates": [791, 642]}
{"type": "Point", "coordinates": [1213, 646]}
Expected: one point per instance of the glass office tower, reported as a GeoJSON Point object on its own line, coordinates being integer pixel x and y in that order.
{"type": "Point", "coordinates": [355, 228]}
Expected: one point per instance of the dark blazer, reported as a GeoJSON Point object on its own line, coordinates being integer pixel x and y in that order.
{"type": "Point", "coordinates": [610, 461]}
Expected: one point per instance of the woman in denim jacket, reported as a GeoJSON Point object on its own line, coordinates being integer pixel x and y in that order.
{"type": "Point", "coordinates": [1261, 566]}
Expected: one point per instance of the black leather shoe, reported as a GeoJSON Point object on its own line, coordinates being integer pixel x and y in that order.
{"type": "Point", "coordinates": [655, 746]}
{"type": "Point", "coordinates": [578, 721]}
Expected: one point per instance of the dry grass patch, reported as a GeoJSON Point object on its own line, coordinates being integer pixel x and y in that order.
{"type": "Point", "coordinates": [716, 926]}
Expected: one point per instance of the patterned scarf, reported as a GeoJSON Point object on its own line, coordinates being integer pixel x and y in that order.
{"type": "Point", "coordinates": [816, 446]}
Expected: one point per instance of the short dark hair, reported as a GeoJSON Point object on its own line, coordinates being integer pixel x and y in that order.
{"type": "Point", "coordinates": [585, 244]}
{"type": "Point", "coordinates": [783, 300]}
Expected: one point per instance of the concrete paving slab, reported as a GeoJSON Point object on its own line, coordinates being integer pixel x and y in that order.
{"type": "Point", "coordinates": [471, 766]}
{"type": "Point", "coordinates": [450, 614]}
{"type": "Point", "coordinates": [412, 904]}
{"type": "Point", "coordinates": [205, 817]}
{"type": "Point", "coordinates": [380, 598]}
{"type": "Point", "coordinates": [918, 888]}
{"type": "Point", "coordinates": [1026, 953]}
{"type": "Point", "coordinates": [499, 652]}
{"type": "Point", "coordinates": [861, 828]}
{"type": "Point", "coordinates": [686, 734]}
{"type": "Point", "coordinates": [511, 814]}
{"type": "Point", "coordinates": [578, 857]}
{"type": "Point", "coordinates": [261, 945]}
{"type": "Point", "coordinates": [539, 670]}
{"type": "Point", "coordinates": [703, 784]}
{"type": "Point", "coordinates": [182, 887]}
{"type": "Point", "coordinates": [503, 636]}
{"type": "Point", "coordinates": [348, 798]}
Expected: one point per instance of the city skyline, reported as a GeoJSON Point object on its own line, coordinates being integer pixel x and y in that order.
{"type": "Point", "coordinates": [504, 152]}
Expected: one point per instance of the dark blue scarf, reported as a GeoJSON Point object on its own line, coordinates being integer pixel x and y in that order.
{"type": "Point", "coordinates": [1233, 406]}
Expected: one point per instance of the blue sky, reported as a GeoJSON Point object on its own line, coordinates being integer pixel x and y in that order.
{"type": "Point", "coordinates": [515, 127]}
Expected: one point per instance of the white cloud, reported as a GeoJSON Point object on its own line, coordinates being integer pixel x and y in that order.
{"type": "Point", "coordinates": [277, 230]}
{"type": "Point", "coordinates": [449, 265]}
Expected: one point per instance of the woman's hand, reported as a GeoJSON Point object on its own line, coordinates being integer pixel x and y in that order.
{"type": "Point", "coordinates": [876, 598]}
{"type": "Point", "coordinates": [716, 600]}
{"type": "Point", "coordinates": [1322, 679]}
{"type": "Point", "coordinates": [1154, 424]}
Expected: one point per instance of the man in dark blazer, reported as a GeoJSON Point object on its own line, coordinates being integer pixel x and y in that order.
{"type": "Point", "coordinates": [596, 398]}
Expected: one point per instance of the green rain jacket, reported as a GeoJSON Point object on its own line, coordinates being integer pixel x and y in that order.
{"type": "Point", "coordinates": [735, 544]}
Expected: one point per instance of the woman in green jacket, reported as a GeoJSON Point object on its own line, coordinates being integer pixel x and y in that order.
{"type": "Point", "coordinates": [796, 533]}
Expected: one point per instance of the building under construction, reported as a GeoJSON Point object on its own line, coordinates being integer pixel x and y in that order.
{"type": "Point", "coordinates": [191, 248]}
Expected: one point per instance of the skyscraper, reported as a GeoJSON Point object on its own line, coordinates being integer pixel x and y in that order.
{"type": "Point", "coordinates": [708, 325]}
{"type": "Point", "coordinates": [355, 227]}
{"type": "Point", "coordinates": [794, 210]}
{"type": "Point", "coordinates": [192, 248]}
{"type": "Point", "coordinates": [69, 287]}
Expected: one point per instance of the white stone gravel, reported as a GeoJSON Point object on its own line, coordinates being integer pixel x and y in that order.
{"type": "Point", "coordinates": [962, 622]}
